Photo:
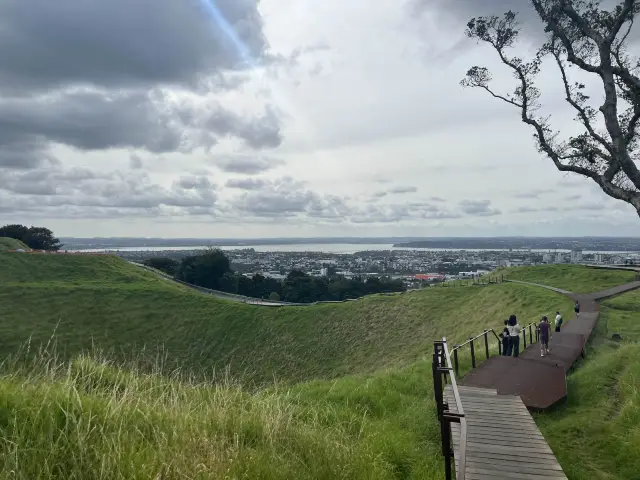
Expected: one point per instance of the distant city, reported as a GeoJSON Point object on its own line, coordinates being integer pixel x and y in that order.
{"type": "Point", "coordinates": [417, 262]}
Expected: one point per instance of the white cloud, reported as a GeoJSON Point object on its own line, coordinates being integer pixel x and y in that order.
{"type": "Point", "coordinates": [338, 119]}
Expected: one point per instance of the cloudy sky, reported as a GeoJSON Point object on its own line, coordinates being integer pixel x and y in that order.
{"type": "Point", "coordinates": [228, 118]}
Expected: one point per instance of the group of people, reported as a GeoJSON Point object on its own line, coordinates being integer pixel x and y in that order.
{"type": "Point", "coordinates": [511, 333]}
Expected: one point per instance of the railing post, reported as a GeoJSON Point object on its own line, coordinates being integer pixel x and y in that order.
{"type": "Point", "coordinates": [524, 336]}
{"type": "Point", "coordinates": [473, 354]}
{"type": "Point", "coordinates": [486, 342]}
{"type": "Point", "coordinates": [530, 334]}
{"type": "Point", "coordinates": [445, 428]}
{"type": "Point", "coordinates": [455, 361]}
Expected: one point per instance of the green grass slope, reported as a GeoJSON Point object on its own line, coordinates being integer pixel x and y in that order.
{"type": "Point", "coordinates": [596, 435]}
{"type": "Point", "coordinates": [88, 301]}
{"type": "Point", "coordinates": [75, 417]}
{"type": "Point", "coordinates": [574, 278]}
{"type": "Point", "coordinates": [7, 243]}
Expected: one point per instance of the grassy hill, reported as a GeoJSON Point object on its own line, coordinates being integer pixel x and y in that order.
{"type": "Point", "coordinates": [574, 278]}
{"type": "Point", "coordinates": [103, 301]}
{"type": "Point", "coordinates": [7, 243]}
{"type": "Point", "coordinates": [356, 402]}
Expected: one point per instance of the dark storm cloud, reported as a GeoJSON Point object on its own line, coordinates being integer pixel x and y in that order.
{"type": "Point", "coordinates": [480, 208]}
{"type": "Point", "coordinates": [122, 43]}
{"type": "Point", "coordinates": [98, 120]}
{"type": "Point", "coordinates": [246, 164]}
{"type": "Point", "coordinates": [24, 153]}
{"type": "Point", "coordinates": [96, 75]}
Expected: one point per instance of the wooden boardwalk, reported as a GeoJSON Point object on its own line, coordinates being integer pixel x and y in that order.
{"type": "Point", "coordinates": [503, 442]}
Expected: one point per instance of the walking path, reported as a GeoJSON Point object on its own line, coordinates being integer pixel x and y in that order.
{"type": "Point", "coordinates": [540, 381]}
{"type": "Point", "coordinates": [499, 449]}
{"type": "Point", "coordinates": [505, 386]}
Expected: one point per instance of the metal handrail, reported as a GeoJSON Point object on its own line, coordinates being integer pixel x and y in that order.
{"type": "Point", "coordinates": [484, 334]}
{"type": "Point", "coordinates": [462, 450]}
{"type": "Point", "coordinates": [442, 367]}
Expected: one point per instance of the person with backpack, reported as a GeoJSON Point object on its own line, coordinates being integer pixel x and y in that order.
{"type": "Point", "coordinates": [558, 321]}
{"type": "Point", "coordinates": [514, 335]}
{"type": "Point", "coordinates": [544, 330]}
{"type": "Point", "coordinates": [576, 308]}
{"type": "Point", "coordinates": [506, 339]}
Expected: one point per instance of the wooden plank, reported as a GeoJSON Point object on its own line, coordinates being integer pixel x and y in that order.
{"type": "Point", "coordinates": [515, 475]}
{"type": "Point", "coordinates": [507, 442]}
{"type": "Point", "coordinates": [542, 458]}
{"type": "Point", "coordinates": [517, 467]}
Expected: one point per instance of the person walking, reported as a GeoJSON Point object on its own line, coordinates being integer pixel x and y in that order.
{"type": "Point", "coordinates": [576, 308]}
{"type": "Point", "coordinates": [504, 336]}
{"type": "Point", "coordinates": [514, 335]}
{"type": "Point", "coordinates": [544, 330]}
{"type": "Point", "coordinates": [558, 321]}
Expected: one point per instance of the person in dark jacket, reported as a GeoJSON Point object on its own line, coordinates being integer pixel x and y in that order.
{"type": "Point", "coordinates": [506, 339]}
{"type": "Point", "coordinates": [544, 330]}
{"type": "Point", "coordinates": [576, 308]}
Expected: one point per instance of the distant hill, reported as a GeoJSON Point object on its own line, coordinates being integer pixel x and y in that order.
{"type": "Point", "coordinates": [7, 243]}
{"type": "Point", "coordinates": [89, 301]}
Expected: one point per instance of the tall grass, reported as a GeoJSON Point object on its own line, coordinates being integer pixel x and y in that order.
{"type": "Point", "coordinates": [89, 419]}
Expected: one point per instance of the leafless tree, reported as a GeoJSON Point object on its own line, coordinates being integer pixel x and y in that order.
{"type": "Point", "coordinates": [582, 35]}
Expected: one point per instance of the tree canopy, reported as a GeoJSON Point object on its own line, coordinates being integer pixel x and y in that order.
{"type": "Point", "coordinates": [37, 238]}
{"type": "Point", "coordinates": [592, 40]}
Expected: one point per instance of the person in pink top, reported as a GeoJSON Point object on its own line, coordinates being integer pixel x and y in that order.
{"type": "Point", "coordinates": [544, 329]}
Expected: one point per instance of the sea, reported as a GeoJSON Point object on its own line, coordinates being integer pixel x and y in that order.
{"type": "Point", "coordinates": [333, 248]}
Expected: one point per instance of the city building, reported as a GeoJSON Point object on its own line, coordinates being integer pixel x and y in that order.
{"type": "Point", "coordinates": [576, 255]}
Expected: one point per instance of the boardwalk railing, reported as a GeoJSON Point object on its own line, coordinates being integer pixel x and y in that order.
{"type": "Point", "coordinates": [441, 368]}
{"type": "Point", "coordinates": [472, 347]}
{"type": "Point", "coordinates": [532, 328]}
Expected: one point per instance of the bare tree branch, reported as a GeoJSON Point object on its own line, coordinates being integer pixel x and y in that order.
{"type": "Point", "coordinates": [586, 36]}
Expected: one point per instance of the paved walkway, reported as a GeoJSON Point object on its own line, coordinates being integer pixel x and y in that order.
{"type": "Point", "coordinates": [541, 381]}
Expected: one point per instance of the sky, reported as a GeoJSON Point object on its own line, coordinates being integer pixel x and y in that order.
{"type": "Point", "coordinates": [233, 118]}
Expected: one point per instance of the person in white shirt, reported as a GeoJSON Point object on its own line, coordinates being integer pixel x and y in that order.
{"type": "Point", "coordinates": [558, 321]}
{"type": "Point", "coordinates": [514, 333]}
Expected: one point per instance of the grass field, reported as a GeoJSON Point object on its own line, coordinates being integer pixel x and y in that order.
{"type": "Point", "coordinates": [353, 397]}
{"type": "Point", "coordinates": [103, 301]}
{"type": "Point", "coordinates": [7, 243]}
{"type": "Point", "coordinates": [574, 278]}
{"type": "Point", "coordinates": [596, 435]}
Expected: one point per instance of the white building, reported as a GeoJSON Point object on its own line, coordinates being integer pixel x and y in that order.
{"type": "Point", "coordinates": [598, 258]}
{"type": "Point", "coordinates": [576, 256]}
{"type": "Point", "coordinates": [547, 258]}
{"type": "Point", "coordinates": [559, 257]}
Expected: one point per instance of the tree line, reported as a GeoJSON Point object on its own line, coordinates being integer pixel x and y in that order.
{"type": "Point", "coordinates": [212, 269]}
{"type": "Point", "coordinates": [36, 238]}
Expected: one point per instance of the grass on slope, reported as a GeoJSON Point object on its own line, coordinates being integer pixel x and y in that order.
{"type": "Point", "coordinates": [596, 435]}
{"type": "Point", "coordinates": [7, 243]}
{"type": "Point", "coordinates": [100, 300]}
{"type": "Point", "coordinates": [90, 420]}
{"type": "Point", "coordinates": [574, 278]}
